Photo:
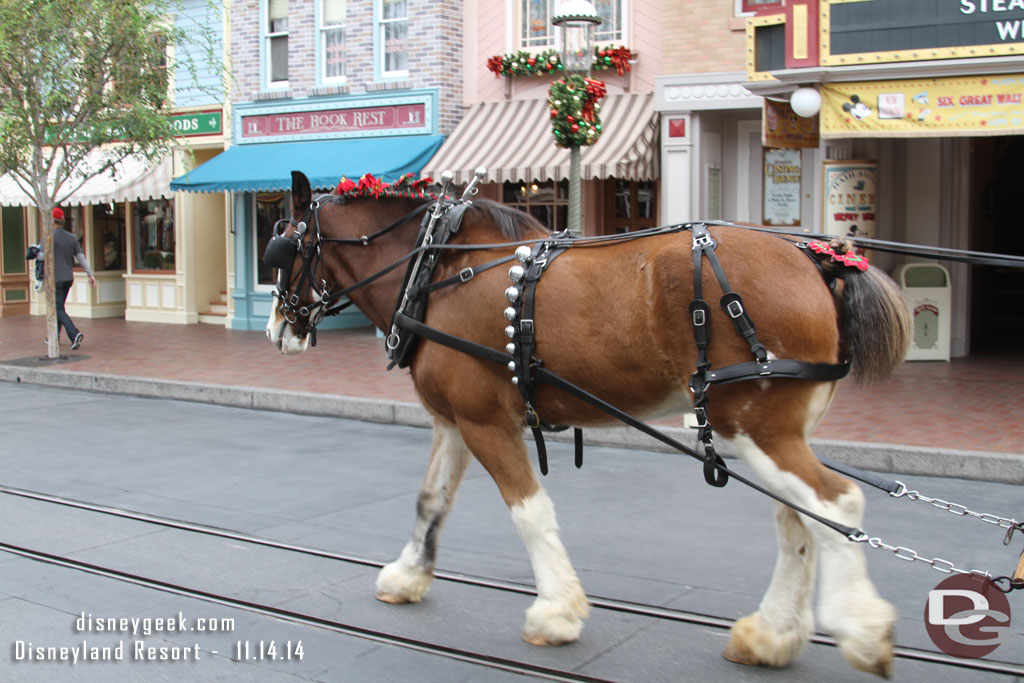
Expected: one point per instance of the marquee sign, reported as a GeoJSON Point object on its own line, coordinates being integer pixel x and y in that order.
{"type": "Point", "coordinates": [929, 107]}
{"type": "Point", "coordinates": [874, 31]}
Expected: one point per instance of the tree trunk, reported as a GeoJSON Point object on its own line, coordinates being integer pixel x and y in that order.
{"type": "Point", "coordinates": [53, 341]}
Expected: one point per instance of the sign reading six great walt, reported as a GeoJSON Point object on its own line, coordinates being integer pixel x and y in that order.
{"type": "Point", "coordinates": [871, 31]}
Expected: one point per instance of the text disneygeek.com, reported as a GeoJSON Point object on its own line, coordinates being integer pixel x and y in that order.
{"type": "Point", "coordinates": [138, 648]}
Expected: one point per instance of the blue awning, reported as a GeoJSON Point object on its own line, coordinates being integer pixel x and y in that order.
{"type": "Point", "coordinates": [268, 167]}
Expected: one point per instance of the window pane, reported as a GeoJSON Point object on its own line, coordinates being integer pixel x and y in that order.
{"type": "Point", "coordinates": [544, 201]}
{"type": "Point", "coordinates": [610, 28]}
{"type": "Point", "coordinates": [334, 53]}
{"type": "Point", "coordinates": [270, 208]}
{"type": "Point", "coordinates": [334, 12]}
{"type": "Point", "coordinates": [279, 59]}
{"type": "Point", "coordinates": [395, 56]}
{"type": "Point", "coordinates": [622, 197]}
{"type": "Point", "coordinates": [393, 9]}
{"type": "Point", "coordinates": [645, 200]}
{"type": "Point", "coordinates": [109, 228]}
{"type": "Point", "coordinates": [536, 26]}
{"type": "Point", "coordinates": [153, 235]}
{"type": "Point", "coordinates": [277, 16]}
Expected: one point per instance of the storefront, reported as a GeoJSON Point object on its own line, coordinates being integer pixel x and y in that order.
{"type": "Point", "coordinates": [916, 141]}
{"type": "Point", "coordinates": [513, 141]}
{"type": "Point", "coordinates": [386, 136]}
{"type": "Point", "coordinates": [107, 215]}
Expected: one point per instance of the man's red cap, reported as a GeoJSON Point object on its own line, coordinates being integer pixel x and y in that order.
{"type": "Point", "coordinates": [58, 214]}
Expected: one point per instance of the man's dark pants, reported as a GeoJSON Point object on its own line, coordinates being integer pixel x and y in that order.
{"type": "Point", "coordinates": [60, 292]}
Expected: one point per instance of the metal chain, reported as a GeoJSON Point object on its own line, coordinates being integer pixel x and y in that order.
{"type": "Point", "coordinates": [910, 555]}
{"type": "Point", "coordinates": [1011, 525]}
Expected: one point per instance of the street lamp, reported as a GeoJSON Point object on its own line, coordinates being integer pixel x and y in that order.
{"type": "Point", "coordinates": [806, 102]}
{"type": "Point", "coordinates": [576, 19]}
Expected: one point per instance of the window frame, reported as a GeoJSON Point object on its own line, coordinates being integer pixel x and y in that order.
{"type": "Point", "coordinates": [555, 43]}
{"type": "Point", "coordinates": [551, 194]}
{"type": "Point", "coordinates": [257, 252]}
{"type": "Point", "coordinates": [322, 56]}
{"type": "Point", "coordinates": [135, 219]}
{"type": "Point", "coordinates": [753, 7]}
{"type": "Point", "coordinates": [267, 38]}
{"type": "Point", "coordinates": [380, 42]}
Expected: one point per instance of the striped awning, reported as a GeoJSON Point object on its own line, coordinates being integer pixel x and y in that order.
{"type": "Point", "coordinates": [132, 179]}
{"type": "Point", "coordinates": [513, 141]}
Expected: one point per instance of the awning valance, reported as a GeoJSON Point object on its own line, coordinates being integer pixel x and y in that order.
{"type": "Point", "coordinates": [132, 179]}
{"type": "Point", "coordinates": [513, 141]}
{"type": "Point", "coordinates": [267, 167]}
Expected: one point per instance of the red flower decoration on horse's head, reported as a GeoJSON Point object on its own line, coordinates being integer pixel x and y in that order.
{"type": "Point", "coordinates": [345, 185]}
{"type": "Point", "coordinates": [852, 260]}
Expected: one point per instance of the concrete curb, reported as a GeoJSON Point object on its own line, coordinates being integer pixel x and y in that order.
{"type": "Point", "coordinates": [878, 457]}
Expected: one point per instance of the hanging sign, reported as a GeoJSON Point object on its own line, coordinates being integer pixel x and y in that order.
{"type": "Point", "coordinates": [850, 200]}
{"type": "Point", "coordinates": [782, 128]}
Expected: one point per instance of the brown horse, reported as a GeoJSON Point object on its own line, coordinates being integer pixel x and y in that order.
{"type": "Point", "coordinates": [614, 319]}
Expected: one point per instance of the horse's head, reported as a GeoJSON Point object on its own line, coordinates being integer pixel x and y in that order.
{"type": "Point", "coordinates": [293, 251]}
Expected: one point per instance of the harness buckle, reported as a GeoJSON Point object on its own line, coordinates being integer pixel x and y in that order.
{"type": "Point", "coordinates": [364, 240]}
{"type": "Point", "coordinates": [702, 241]}
{"type": "Point", "coordinates": [734, 308]}
{"type": "Point", "coordinates": [699, 318]}
{"type": "Point", "coordinates": [466, 274]}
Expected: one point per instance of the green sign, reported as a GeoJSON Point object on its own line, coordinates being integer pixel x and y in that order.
{"type": "Point", "coordinates": [197, 123]}
{"type": "Point", "coordinates": [185, 125]}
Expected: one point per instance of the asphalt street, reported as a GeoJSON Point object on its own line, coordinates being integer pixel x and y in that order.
{"type": "Point", "coordinates": [640, 527]}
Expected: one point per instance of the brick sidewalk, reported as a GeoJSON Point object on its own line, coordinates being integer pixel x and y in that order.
{"type": "Point", "coordinates": [973, 404]}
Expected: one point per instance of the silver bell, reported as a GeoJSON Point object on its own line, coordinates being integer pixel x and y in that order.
{"type": "Point", "coordinates": [512, 365]}
{"type": "Point", "coordinates": [515, 380]}
{"type": "Point", "coordinates": [510, 314]}
{"type": "Point", "coordinates": [516, 274]}
{"type": "Point", "coordinates": [512, 294]}
{"type": "Point", "coordinates": [510, 348]}
{"type": "Point", "coordinates": [510, 332]}
{"type": "Point", "coordinates": [524, 254]}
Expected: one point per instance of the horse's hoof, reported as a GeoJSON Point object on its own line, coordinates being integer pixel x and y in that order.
{"type": "Point", "coordinates": [876, 659]}
{"type": "Point", "coordinates": [548, 623]}
{"type": "Point", "coordinates": [868, 646]}
{"type": "Point", "coordinates": [753, 643]}
{"type": "Point", "coordinates": [393, 599]}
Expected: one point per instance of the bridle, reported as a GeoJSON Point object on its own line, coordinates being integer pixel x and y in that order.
{"type": "Point", "coordinates": [281, 251]}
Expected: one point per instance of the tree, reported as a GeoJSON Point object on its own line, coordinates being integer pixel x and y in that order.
{"type": "Point", "coordinates": [84, 84]}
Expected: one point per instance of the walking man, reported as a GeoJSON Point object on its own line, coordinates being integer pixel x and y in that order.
{"type": "Point", "coordinates": [66, 249]}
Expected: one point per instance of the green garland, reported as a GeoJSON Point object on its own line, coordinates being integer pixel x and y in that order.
{"type": "Point", "coordinates": [524, 63]}
{"type": "Point", "coordinates": [575, 120]}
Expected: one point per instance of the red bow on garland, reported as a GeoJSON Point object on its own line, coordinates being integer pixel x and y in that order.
{"type": "Point", "coordinates": [595, 91]}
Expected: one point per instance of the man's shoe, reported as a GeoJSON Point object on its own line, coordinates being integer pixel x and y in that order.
{"type": "Point", "coordinates": [78, 341]}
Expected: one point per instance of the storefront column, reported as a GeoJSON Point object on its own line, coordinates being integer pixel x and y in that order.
{"type": "Point", "coordinates": [676, 168]}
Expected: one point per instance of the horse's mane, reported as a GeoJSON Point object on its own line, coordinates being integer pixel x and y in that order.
{"type": "Point", "coordinates": [513, 223]}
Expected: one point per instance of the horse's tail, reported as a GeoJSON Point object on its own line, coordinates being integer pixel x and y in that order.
{"type": "Point", "coordinates": [875, 324]}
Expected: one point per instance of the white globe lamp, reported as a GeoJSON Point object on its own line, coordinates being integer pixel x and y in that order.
{"type": "Point", "coordinates": [806, 102]}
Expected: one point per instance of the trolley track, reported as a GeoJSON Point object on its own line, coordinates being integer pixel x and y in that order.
{"type": "Point", "coordinates": [653, 612]}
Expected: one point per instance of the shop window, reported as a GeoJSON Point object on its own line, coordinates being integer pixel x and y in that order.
{"type": "Point", "coordinates": [393, 38]}
{"type": "Point", "coordinates": [153, 235]}
{"type": "Point", "coordinates": [537, 33]}
{"type": "Point", "coordinates": [108, 237]}
{"type": "Point", "coordinates": [270, 208]}
{"type": "Point", "coordinates": [275, 33]}
{"type": "Point", "coordinates": [548, 202]}
{"type": "Point", "coordinates": [332, 41]}
{"type": "Point", "coordinates": [630, 205]}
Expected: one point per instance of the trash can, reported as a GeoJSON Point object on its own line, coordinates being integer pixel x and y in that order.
{"type": "Point", "coordinates": [926, 286]}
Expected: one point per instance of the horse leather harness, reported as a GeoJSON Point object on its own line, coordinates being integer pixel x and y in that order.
{"type": "Point", "coordinates": [444, 221]}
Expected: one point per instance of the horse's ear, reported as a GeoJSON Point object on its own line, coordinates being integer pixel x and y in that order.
{"type": "Point", "coordinates": [302, 194]}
